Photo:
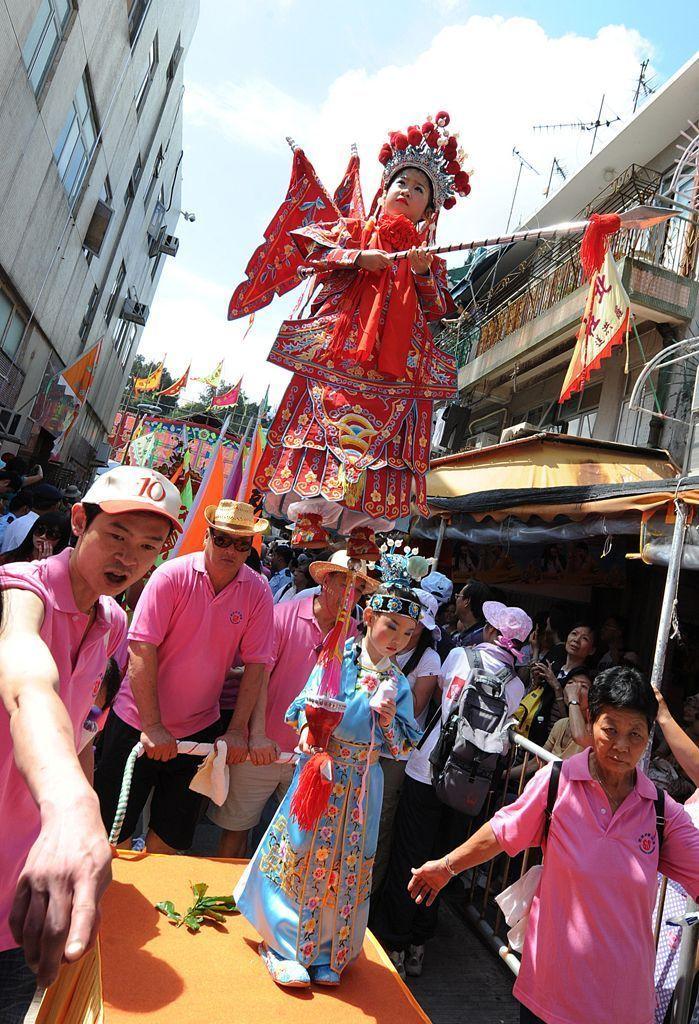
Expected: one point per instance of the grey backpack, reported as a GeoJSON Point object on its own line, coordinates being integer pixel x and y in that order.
{"type": "Point", "coordinates": [472, 739]}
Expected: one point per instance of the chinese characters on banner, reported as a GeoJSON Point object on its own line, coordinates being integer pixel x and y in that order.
{"type": "Point", "coordinates": [605, 324]}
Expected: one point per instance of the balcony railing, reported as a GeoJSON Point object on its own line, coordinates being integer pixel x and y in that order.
{"type": "Point", "coordinates": [553, 272]}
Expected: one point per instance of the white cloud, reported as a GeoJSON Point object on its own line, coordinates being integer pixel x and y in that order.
{"type": "Point", "coordinates": [497, 77]}
{"type": "Point", "coordinates": [188, 323]}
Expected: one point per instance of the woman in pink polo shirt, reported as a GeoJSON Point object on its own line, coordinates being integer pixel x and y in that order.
{"type": "Point", "coordinates": [589, 952]}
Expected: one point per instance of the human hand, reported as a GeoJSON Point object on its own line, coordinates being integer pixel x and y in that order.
{"type": "Point", "coordinates": [572, 692]}
{"type": "Point", "coordinates": [428, 880]}
{"type": "Point", "coordinates": [237, 745]}
{"type": "Point", "coordinates": [664, 714]}
{"type": "Point", "coordinates": [55, 913]}
{"type": "Point", "coordinates": [374, 260]}
{"type": "Point", "coordinates": [262, 749]}
{"type": "Point", "coordinates": [158, 743]}
{"type": "Point", "coordinates": [44, 548]}
{"type": "Point", "coordinates": [420, 261]}
{"type": "Point", "coordinates": [386, 710]}
{"type": "Point", "coordinates": [549, 676]}
{"type": "Point", "coordinates": [303, 744]}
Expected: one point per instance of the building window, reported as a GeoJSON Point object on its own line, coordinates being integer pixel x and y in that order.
{"type": "Point", "coordinates": [132, 186]}
{"type": "Point", "coordinates": [145, 85]}
{"type": "Point", "coordinates": [136, 11]}
{"type": "Point", "coordinates": [174, 61]}
{"type": "Point", "coordinates": [115, 292]}
{"type": "Point", "coordinates": [75, 143]}
{"type": "Point", "coordinates": [43, 40]}
{"type": "Point", "coordinates": [157, 168]}
{"type": "Point", "coordinates": [124, 336]}
{"type": "Point", "coordinates": [89, 314]}
{"type": "Point", "coordinates": [12, 326]}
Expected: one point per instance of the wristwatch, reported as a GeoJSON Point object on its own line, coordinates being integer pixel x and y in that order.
{"type": "Point", "coordinates": [576, 702]}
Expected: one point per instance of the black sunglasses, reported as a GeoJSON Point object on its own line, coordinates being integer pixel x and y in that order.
{"type": "Point", "coordinates": [226, 540]}
{"type": "Point", "coordinates": [50, 532]}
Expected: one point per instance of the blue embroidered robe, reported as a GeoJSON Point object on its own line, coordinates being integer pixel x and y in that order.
{"type": "Point", "coordinates": [307, 893]}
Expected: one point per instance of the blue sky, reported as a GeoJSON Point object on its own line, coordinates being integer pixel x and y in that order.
{"type": "Point", "coordinates": [331, 74]}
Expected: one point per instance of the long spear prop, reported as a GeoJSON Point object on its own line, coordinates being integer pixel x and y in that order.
{"type": "Point", "coordinates": [635, 219]}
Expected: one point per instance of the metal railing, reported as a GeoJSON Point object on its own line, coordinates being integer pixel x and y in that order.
{"type": "Point", "coordinates": [483, 883]}
{"type": "Point", "coordinates": [553, 271]}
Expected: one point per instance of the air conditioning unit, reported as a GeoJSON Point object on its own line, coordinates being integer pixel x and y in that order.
{"type": "Point", "coordinates": [98, 227]}
{"type": "Point", "coordinates": [134, 312]}
{"type": "Point", "coordinates": [14, 426]}
{"type": "Point", "coordinates": [482, 440]}
{"type": "Point", "coordinates": [518, 430]}
{"type": "Point", "coordinates": [163, 243]}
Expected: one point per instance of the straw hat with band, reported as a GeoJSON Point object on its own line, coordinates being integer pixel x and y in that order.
{"type": "Point", "coordinates": [341, 562]}
{"type": "Point", "coordinates": [235, 517]}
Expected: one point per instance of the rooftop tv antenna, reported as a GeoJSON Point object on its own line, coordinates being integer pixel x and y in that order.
{"type": "Point", "coordinates": [582, 126]}
{"type": "Point", "coordinates": [643, 88]}
{"type": "Point", "coordinates": [556, 168]}
{"type": "Point", "coordinates": [522, 164]}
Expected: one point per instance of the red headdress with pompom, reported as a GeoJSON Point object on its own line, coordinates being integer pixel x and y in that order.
{"type": "Point", "coordinates": [429, 148]}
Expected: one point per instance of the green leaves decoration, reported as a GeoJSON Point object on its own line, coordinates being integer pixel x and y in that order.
{"type": "Point", "coordinates": [205, 908]}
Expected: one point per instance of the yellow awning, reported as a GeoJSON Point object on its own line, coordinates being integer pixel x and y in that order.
{"type": "Point", "coordinates": [548, 475]}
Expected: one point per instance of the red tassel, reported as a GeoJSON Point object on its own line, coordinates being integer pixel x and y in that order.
{"type": "Point", "coordinates": [312, 793]}
{"type": "Point", "coordinates": [593, 248]}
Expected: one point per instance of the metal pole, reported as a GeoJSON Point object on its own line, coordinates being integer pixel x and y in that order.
{"type": "Point", "coordinates": [440, 540]}
{"type": "Point", "coordinates": [670, 594]}
{"type": "Point", "coordinates": [681, 1006]}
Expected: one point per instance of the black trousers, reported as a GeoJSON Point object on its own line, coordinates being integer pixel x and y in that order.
{"type": "Point", "coordinates": [397, 919]}
{"type": "Point", "coordinates": [17, 986]}
{"type": "Point", "coordinates": [175, 808]}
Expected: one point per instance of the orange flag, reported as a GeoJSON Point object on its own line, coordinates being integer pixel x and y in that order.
{"type": "Point", "coordinates": [78, 377]}
{"type": "Point", "coordinates": [253, 461]}
{"type": "Point", "coordinates": [210, 493]}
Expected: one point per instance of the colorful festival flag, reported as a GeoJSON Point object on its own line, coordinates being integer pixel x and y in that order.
{"type": "Point", "coordinates": [605, 323]}
{"type": "Point", "coordinates": [210, 493]}
{"type": "Point", "coordinates": [348, 196]}
{"type": "Point", "coordinates": [229, 399]}
{"type": "Point", "coordinates": [273, 267]}
{"type": "Point", "coordinates": [214, 378]}
{"type": "Point", "coordinates": [256, 448]}
{"type": "Point", "coordinates": [235, 476]}
{"type": "Point", "coordinates": [141, 385]}
{"type": "Point", "coordinates": [177, 386]}
{"type": "Point", "coordinates": [71, 388]}
{"type": "Point", "coordinates": [142, 449]}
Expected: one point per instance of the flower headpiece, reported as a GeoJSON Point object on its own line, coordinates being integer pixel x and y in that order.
{"type": "Point", "coordinates": [432, 150]}
{"type": "Point", "coordinates": [399, 571]}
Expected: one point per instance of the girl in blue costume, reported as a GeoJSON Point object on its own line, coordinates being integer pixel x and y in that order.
{"type": "Point", "coordinates": [307, 892]}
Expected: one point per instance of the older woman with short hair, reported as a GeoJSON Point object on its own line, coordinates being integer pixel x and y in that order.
{"type": "Point", "coordinates": [589, 953]}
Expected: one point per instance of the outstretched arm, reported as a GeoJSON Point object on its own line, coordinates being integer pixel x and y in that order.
{"type": "Point", "coordinates": [684, 749]}
{"type": "Point", "coordinates": [434, 875]}
{"type": "Point", "coordinates": [54, 916]}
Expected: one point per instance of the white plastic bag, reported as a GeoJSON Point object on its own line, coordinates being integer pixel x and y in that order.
{"type": "Point", "coordinates": [212, 778]}
{"type": "Point", "coordinates": [515, 902]}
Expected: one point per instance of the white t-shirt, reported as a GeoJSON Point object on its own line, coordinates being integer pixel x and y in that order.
{"type": "Point", "coordinates": [17, 531]}
{"type": "Point", "coordinates": [455, 674]}
{"type": "Point", "coordinates": [428, 665]}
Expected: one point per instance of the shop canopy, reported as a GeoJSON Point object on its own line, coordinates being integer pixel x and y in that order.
{"type": "Point", "coordinates": [551, 475]}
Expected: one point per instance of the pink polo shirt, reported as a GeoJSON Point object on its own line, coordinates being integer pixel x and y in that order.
{"type": "Point", "coordinates": [297, 642]}
{"type": "Point", "coordinates": [81, 661]}
{"type": "Point", "coordinates": [588, 953]}
{"type": "Point", "coordinates": [199, 634]}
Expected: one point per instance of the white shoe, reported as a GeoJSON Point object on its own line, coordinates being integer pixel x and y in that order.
{"type": "Point", "coordinates": [413, 961]}
{"type": "Point", "coordinates": [397, 958]}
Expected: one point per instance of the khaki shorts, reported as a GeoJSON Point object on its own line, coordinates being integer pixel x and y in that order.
{"type": "Point", "coordinates": [250, 788]}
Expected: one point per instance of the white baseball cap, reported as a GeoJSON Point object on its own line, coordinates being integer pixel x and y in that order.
{"type": "Point", "coordinates": [135, 489]}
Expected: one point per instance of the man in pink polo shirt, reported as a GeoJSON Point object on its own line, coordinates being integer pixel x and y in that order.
{"type": "Point", "coordinates": [197, 615]}
{"type": "Point", "coordinates": [59, 627]}
{"type": "Point", "coordinates": [299, 630]}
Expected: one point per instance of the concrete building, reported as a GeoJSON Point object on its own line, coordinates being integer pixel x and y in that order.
{"type": "Point", "coordinates": [523, 306]}
{"type": "Point", "coordinates": [90, 171]}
